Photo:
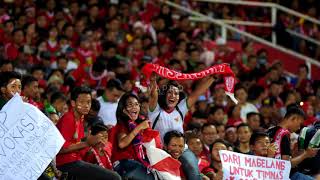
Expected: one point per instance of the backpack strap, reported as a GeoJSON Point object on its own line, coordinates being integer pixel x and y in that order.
{"type": "Point", "coordinates": [179, 111]}
{"type": "Point", "coordinates": [156, 120]}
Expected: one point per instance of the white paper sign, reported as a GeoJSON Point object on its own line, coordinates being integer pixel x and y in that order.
{"type": "Point", "coordinates": [28, 141]}
{"type": "Point", "coordinates": [236, 166]}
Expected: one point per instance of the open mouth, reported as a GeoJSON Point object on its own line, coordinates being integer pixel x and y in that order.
{"type": "Point", "coordinates": [171, 101]}
{"type": "Point", "coordinates": [134, 113]}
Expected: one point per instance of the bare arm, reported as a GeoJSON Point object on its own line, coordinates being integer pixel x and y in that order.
{"type": "Point", "coordinates": [308, 153]}
{"type": "Point", "coordinates": [124, 139]}
{"type": "Point", "coordinates": [200, 89]}
{"type": "Point", "coordinates": [153, 100]}
{"type": "Point", "coordinates": [74, 147]}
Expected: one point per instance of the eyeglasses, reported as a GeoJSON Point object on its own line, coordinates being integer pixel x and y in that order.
{"type": "Point", "coordinates": [131, 105]}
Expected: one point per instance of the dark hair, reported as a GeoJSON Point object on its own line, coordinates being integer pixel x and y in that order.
{"type": "Point", "coordinates": [17, 30]}
{"type": "Point", "coordinates": [172, 134]}
{"type": "Point", "coordinates": [254, 92]}
{"type": "Point", "coordinates": [192, 135]}
{"type": "Point", "coordinates": [163, 92]}
{"type": "Point", "coordinates": [122, 117]}
{"type": "Point", "coordinates": [5, 62]}
{"type": "Point", "coordinates": [98, 66]}
{"type": "Point", "coordinates": [304, 66]}
{"type": "Point", "coordinates": [108, 45]}
{"type": "Point", "coordinates": [243, 125]}
{"type": "Point", "coordinates": [250, 114]}
{"type": "Point", "coordinates": [97, 128]}
{"type": "Point", "coordinates": [198, 114]}
{"type": "Point", "coordinates": [257, 135]}
{"type": "Point", "coordinates": [79, 90]}
{"type": "Point", "coordinates": [114, 83]}
{"type": "Point", "coordinates": [222, 141]}
{"type": "Point", "coordinates": [5, 77]}
{"type": "Point", "coordinates": [57, 95]}
{"type": "Point", "coordinates": [214, 109]}
{"type": "Point", "coordinates": [239, 86]}
{"type": "Point", "coordinates": [95, 105]}
{"type": "Point", "coordinates": [27, 80]}
{"type": "Point", "coordinates": [292, 110]}
{"type": "Point", "coordinates": [36, 68]}
{"type": "Point", "coordinates": [206, 125]}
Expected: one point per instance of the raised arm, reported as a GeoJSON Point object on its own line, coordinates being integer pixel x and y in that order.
{"type": "Point", "coordinates": [153, 100]}
{"type": "Point", "coordinates": [124, 140]}
{"type": "Point", "coordinates": [202, 87]}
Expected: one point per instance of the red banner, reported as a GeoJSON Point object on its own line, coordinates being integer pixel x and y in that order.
{"type": "Point", "coordinates": [222, 69]}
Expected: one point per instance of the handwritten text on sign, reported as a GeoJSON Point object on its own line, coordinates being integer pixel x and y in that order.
{"type": "Point", "coordinates": [247, 167]}
{"type": "Point", "coordinates": [28, 141]}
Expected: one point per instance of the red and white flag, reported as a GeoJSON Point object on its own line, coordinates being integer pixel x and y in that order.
{"type": "Point", "coordinates": [167, 167]}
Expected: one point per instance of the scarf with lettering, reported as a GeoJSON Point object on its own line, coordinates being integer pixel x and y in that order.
{"type": "Point", "coordinates": [221, 69]}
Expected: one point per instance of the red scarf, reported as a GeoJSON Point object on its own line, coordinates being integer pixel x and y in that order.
{"type": "Point", "coordinates": [108, 165]}
{"type": "Point", "coordinates": [223, 69]}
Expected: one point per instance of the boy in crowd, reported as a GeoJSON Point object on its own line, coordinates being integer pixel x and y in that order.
{"type": "Point", "coordinates": [281, 137]}
{"type": "Point", "coordinates": [100, 153]}
{"type": "Point", "coordinates": [244, 133]}
{"type": "Point", "coordinates": [174, 144]}
{"type": "Point", "coordinates": [10, 84]}
{"type": "Point", "coordinates": [30, 89]}
{"type": "Point", "coordinates": [208, 135]}
{"type": "Point", "coordinates": [71, 126]}
{"type": "Point", "coordinates": [109, 102]}
{"type": "Point", "coordinates": [253, 120]}
{"type": "Point", "coordinates": [260, 145]}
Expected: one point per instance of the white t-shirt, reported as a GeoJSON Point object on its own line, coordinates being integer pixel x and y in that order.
{"type": "Point", "coordinates": [108, 111]}
{"type": "Point", "coordinates": [169, 121]}
{"type": "Point", "coordinates": [245, 109]}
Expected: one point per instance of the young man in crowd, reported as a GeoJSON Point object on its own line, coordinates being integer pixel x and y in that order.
{"type": "Point", "coordinates": [71, 126]}
{"type": "Point", "coordinates": [59, 101]}
{"type": "Point", "coordinates": [244, 133]}
{"type": "Point", "coordinates": [174, 144]}
{"type": "Point", "coordinates": [30, 89]}
{"type": "Point", "coordinates": [281, 137]}
{"type": "Point", "coordinates": [216, 164]}
{"type": "Point", "coordinates": [216, 115]}
{"type": "Point", "coordinates": [109, 102]}
{"type": "Point", "coordinates": [241, 95]}
{"type": "Point", "coordinates": [260, 145]}
{"type": "Point", "coordinates": [196, 146]}
{"type": "Point", "coordinates": [253, 120]}
{"type": "Point", "coordinates": [10, 84]}
{"type": "Point", "coordinates": [208, 135]}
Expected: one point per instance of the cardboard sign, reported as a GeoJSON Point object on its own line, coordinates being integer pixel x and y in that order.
{"type": "Point", "coordinates": [236, 166]}
{"type": "Point", "coordinates": [28, 141]}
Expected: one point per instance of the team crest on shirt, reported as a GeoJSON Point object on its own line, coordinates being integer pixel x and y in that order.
{"type": "Point", "coordinates": [177, 119]}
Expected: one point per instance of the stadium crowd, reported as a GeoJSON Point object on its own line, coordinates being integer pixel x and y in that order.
{"type": "Point", "coordinates": [80, 63]}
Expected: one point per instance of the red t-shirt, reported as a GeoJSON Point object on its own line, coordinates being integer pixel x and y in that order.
{"type": "Point", "coordinates": [85, 56]}
{"type": "Point", "coordinates": [82, 77]}
{"type": "Point", "coordinates": [104, 158]}
{"type": "Point", "coordinates": [117, 153]}
{"type": "Point", "coordinates": [72, 131]}
{"type": "Point", "coordinates": [11, 51]}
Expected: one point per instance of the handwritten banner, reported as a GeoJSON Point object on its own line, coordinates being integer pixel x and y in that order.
{"type": "Point", "coordinates": [236, 166]}
{"type": "Point", "coordinates": [28, 141]}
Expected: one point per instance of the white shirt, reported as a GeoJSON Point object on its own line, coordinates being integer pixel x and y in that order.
{"type": "Point", "coordinates": [169, 121]}
{"type": "Point", "coordinates": [71, 65]}
{"type": "Point", "coordinates": [245, 109]}
{"type": "Point", "coordinates": [108, 111]}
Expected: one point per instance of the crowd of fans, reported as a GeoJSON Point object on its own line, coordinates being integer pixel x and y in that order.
{"type": "Point", "coordinates": [79, 62]}
{"type": "Point", "coordinates": [284, 21]}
